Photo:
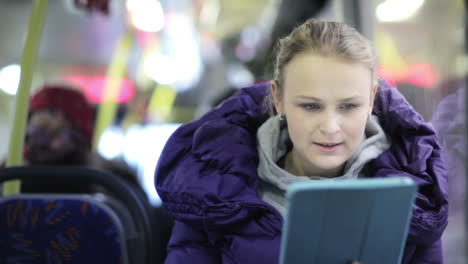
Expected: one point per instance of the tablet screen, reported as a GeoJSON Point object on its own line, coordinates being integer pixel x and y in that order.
{"type": "Point", "coordinates": [363, 220]}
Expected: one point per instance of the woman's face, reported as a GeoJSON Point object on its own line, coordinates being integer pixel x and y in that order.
{"type": "Point", "coordinates": [326, 102]}
{"type": "Point", "coordinates": [50, 138]}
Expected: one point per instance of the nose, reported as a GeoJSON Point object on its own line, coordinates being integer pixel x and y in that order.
{"type": "Point", "coordinates": [330, 124]}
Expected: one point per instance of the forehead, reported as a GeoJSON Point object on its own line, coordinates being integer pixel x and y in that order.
{"type": "Point", "coordinates": [312, 74]}
{"type": "Point", "coordinates": [48, 116]}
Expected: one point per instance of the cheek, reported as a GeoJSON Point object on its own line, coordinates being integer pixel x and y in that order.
{"type": "Point", "coordinates": [299, 129]}
{"type": "Point", "coordinates": [354, 129]}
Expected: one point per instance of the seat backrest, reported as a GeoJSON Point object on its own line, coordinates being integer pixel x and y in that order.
{"type": "Point", "coordinates": [60, 229]}
{"type": "Point", "coordinates": [140, 242]}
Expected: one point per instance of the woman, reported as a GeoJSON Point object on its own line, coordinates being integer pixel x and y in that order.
{"type": "Point", "coordinates": [223, 177]}
{"type": "Point", "coordinates": [60, 131]}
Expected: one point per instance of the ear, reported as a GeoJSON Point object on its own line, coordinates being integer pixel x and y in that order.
{"type": "Point", "coordinates": [277, 97]}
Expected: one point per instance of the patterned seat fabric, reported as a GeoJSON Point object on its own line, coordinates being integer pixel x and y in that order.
{"type": "Point", "coordinates": [59, 230]}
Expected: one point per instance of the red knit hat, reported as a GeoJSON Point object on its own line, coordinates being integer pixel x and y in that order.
{"type": "Point", "coordinates": [71, 101]}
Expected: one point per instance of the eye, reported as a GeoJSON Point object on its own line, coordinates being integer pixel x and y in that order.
{"type": "Point", "coordinates": [311, 107]}
{"type": "Point", "coordinates": [348, 106]}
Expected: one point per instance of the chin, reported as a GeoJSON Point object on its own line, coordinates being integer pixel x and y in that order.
{"type": "Point", "coordinates": [329, 164]}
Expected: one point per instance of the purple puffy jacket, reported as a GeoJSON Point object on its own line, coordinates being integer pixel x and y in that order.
{"type": "Point", "coordinates": [207, 179]}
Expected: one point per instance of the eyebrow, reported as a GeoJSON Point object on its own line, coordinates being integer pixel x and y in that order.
{"type": "Point", "coordinates": [352, 98]}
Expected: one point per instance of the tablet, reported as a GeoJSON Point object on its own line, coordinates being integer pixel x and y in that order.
{"type": "Point", "coordinates": [363, 220]}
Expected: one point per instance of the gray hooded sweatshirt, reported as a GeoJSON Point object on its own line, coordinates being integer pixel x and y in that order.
{"type": "Point", "coordinates": [272, 145]}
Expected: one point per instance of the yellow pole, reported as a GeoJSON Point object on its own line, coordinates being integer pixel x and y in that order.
{"type": "Point", "coordinates": [28, 61]}
{"type": "Point", "coordinates": [115, 72]}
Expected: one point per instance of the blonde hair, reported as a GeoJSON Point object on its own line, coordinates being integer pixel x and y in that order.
{"type": "Point", "coordinates": [325, 38]}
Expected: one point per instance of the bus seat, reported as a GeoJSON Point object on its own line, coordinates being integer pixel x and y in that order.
{"type": "Point", "coordinates": [128, 204]}
{"type": "Point", "coordinates": [50, 228]}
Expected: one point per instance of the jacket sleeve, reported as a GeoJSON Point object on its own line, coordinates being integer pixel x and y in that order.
{"type": "Point", "coordinates": [431, 254]}
{"type": "Point", "coordinates": [189, 245]}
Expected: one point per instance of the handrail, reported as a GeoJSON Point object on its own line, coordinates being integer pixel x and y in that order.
{"type": "Point", "coordinates": [108, 107]}
{"type": "Point", "coordinates": [28, 62]}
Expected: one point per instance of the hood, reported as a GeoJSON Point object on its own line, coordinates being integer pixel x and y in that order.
{"type": "Point", "coordinates": [208, 167]}
{"type": "Point", "coordinates": [415, 153]}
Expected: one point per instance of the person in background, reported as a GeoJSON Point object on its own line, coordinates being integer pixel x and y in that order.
{"type": "Point", "coordinates": [60, 132]}
{"type": "Point", "coordinates": [449, 121]}
{"type": "Point", "coordinates": [450, 124]}
{"type": "Point", "coordinates": [223, 177]}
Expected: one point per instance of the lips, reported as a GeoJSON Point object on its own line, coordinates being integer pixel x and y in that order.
{"type": "Point", "coordinates": [328, 146]}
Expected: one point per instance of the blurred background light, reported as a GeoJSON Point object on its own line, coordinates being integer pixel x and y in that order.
{"type": "Point", "coordinates": [182, 43]}
{"type": "Point", "coordinates": [111, 143]}
{"type": "Point", "coordinates": [140, 147]}
{"type": "Point", "coordinates": [397, 10]}
{"type": "Point", "coordinates": [160, 68]}
{"type": "Point", "coordinates": [93, 87]}
{"type": "Point", "coordinates": [422, 74]}
{"type": "Point", "coordinates": [146, 15]}
{"type": "Point", "coordinates": [239, 76]}
{"type": "Point", "coordinates": [10, 78]}
{"type": "Point", "coordinates": [249, 39]}
{"type": "Point", "coordinates": [178, 61]}
{"type": "Point", "coordinates": [210, 13]}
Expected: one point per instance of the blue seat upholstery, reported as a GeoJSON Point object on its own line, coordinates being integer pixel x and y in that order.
{"type": "Point", "coordinates": [123, 229]}
{"type": "Point", "coordinates": [60, 229]}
